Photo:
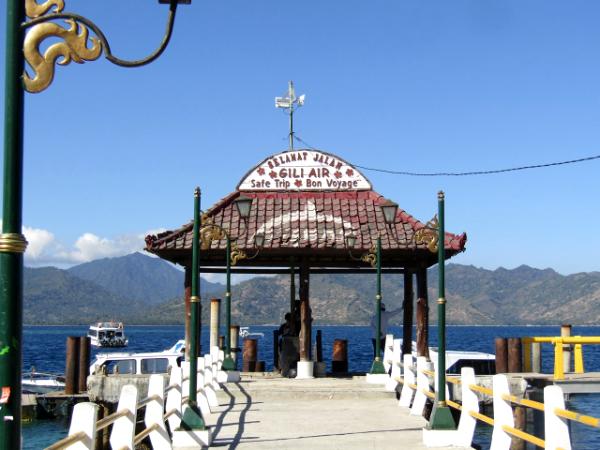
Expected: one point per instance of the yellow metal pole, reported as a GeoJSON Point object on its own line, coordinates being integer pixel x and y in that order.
{"type": "Point", "coordinates": [559, 373]}
{"type": "Point", "coordinates": [579, 358]}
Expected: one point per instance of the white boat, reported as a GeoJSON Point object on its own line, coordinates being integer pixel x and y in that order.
{"type": "Point", "coordinates": [482, 363]}
{"type": "Point", "coordinates": [107, 334]}
{"type": "Point", "coordinates": [138, 363]}
{"type": "Point", "coordinates": [41, 383]}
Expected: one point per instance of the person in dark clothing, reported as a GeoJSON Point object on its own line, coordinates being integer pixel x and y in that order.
{"type": "Point", "coordinates": [286, 328]}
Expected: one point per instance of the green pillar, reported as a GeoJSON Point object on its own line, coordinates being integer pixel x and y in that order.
{"type": "Point", "coordinates": [377, 366]}
{"type": "Point", "coordinates": [12, 242]}
{"type": "Point", "coordinates": [441, 416]}
{"type": "Point", "coordinates": [228, 363]}
{"type": "Point", "coordinates": [192, 418]}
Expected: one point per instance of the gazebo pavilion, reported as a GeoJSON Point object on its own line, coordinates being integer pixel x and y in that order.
{"type": "Point", "coordinates": [307, 205]}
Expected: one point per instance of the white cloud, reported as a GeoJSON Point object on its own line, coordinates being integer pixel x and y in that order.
{"type": "Point", "coordinates": [89, 247]}
{"type": "Point", "coordinates": [39, 241]}
{"type": "Point", "coordinates": [44, 249]}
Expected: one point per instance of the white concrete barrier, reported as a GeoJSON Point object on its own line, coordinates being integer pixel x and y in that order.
{"type": "Point", "coordinates": [503, 414]}
{"type": "Point", "coordinates": [422, 384]}
{"type": "Point", "coordinates": [154, 417]}
{"type": "Point", "coordinates": [84, 419]}
{"type": "Point", "coordinates": [209, 389]}
{"type": "Point", "coordinates": [174, 398]}
{"type": "Point", "coordinates": [394, 361]}
{"type": "Point", "coordinates": [387, 352]}
{"type": "Point", "coordinates": [408, 373]}
{"type": "Point", "coordinates": [470, 403]}
{"type": "Point", "coordinates": [123, 431]}
{"type": "Point", "coordinates": [556, 428]}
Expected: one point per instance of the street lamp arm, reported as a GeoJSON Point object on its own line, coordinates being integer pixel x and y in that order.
{"type": "Point", "coordinates": [370, 257]}
{"type": "Point", "coordinates": [75, 46]}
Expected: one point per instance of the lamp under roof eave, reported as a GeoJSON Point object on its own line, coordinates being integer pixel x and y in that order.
{"type": "Point", "coordinates": [243, 205]}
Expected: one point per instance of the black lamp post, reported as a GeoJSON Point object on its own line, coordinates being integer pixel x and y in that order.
{"type": "Point", "coordinates": [19, 46]}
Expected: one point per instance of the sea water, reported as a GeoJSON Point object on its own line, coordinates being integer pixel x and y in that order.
{"type": "Point", "coordinates": [44, 349]}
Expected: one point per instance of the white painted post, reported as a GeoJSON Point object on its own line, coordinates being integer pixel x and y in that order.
{"type": "Point", "coordinates": [159, 438]}
{"type": "Point", "coordinates": [503, 414]}
{"type": "Point", "coordinates": [123, 431]}
{"type": "Point", "coordinates": [387, 352]}
{"type": "Point", "coordinates": [556, 428]}
{"type": "Point", "coordinates": [407, 393]}
{"type": "Point", "coordinates": [470, 403]}
{"type": "Point", "coordinates": [84, 419]}
{"type": "Point", "coordinates": [396, 356]}
{"type": "Point", "coordinates": [422, 384]}
{"type": "Point", "coordinates": [174, 398]}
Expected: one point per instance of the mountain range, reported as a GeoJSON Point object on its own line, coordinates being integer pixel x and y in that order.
{"type": "Point", "coordinates": [139, 289]}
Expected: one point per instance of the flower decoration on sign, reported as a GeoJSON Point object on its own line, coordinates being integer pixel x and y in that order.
{"type": "Point", "coordinates": [298, 183]}
{"type": "Point", "coordinates": [273, 174]}
{"type": "Point", "coordinates": [338, 174]}
{"type": "Point", "coordinates": [261, 171]}
{"type": "Point", "coordinates": [349, 172]}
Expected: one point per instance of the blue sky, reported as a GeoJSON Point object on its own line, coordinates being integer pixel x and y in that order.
{"type": "Point", "coordinates": [112, 153]}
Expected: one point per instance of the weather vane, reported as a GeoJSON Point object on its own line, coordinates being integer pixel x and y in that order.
{"type": "Point", "coordinates": [291, 103]}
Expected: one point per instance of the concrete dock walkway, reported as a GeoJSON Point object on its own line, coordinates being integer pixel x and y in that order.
{"type": "Point", "coordinates": [332, 413]}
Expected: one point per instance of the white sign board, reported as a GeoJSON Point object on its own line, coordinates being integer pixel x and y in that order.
{"type": "Point", "coordinates": [304, 170]}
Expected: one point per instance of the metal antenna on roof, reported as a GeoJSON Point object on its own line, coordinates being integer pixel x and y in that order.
{"type": "Point", "coordinates": [291, 103]}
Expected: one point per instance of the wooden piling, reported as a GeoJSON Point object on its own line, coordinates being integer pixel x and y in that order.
{"type": "Point", "coordinates": [520, 418]}
{"type": "Point", "coordinates": [215, 321]}
{"type": "Point", "coordinates": [72, 365]}
{"type": "Point", "coordinates": [536, 357]}
{"type": "Point", "coordinates": [275, 349]}
{"type": "Point", "coordinates": [235, 341]}
{"type": "Point", "coordinates": [249, 355]}
{"type": "Point", "coordinates": [501, 355]}
{"type": "Point", "coordinates": [515, 355]}
{"type": "Point", "coordinates": [339, 359]}
{"type": "Point", "coordinates": [319, 351]}
{"type": "Point", "coordinates": [221, 342]}
{"type": "Point", "coordinates": [84, 363]}
{"type": "Point", "coordinates": [565, 331]}
{"type": "Point", "coordinates": [260, 366]}
{"type": "Point", "coordinates": [305, 314]}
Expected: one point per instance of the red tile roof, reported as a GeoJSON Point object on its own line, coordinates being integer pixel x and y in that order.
{"type": "Point", "coordinates": [317, 222]}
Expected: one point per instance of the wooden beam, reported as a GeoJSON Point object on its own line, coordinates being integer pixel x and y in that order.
{"type": "Point", "coordinates": [422, 314]}
{"type": "Point", "coordinates": [305, 314]}
{"type": "Point", "coordinates": [407, 305]}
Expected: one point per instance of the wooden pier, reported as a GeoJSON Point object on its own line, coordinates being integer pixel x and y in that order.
{"type": "Point", "coordinates": [572, 383]}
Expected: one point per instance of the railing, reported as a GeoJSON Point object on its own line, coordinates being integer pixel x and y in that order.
{"type": "Point", "coordinates": [559, 346]}
{"type": "Point", "coordinates": [417, 380]}
{"type": "Point", "coordinates": [163, 406]}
